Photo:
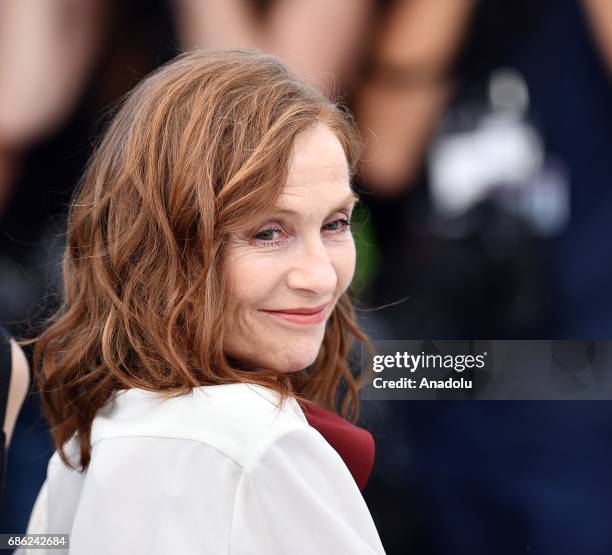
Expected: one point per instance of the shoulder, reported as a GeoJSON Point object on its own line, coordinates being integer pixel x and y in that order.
{"type": "Point", "coordinates": [236, 419]}
{"type": "Point", "coordinates": [295, 448]}
{"type": "Point", "coordinates": [298, 475]}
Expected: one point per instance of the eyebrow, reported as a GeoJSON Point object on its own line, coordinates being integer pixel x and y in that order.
{"type": "Point", "coordinates": [352, 199]}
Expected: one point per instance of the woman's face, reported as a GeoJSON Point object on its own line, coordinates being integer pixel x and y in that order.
{"type": "Point", "coordinates": [299, 258]}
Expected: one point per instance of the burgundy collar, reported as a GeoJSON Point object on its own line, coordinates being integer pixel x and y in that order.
{"type": "Point", "coordinates": [354, 445]}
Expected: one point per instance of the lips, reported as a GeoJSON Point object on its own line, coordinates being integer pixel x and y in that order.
{"type": "Point", "coordinates": [303, 310]}
{"type": "Point", "coordinates": [302, 316]}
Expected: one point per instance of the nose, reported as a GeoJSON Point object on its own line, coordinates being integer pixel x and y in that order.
{"type": "Point", "coordinates": [312, 270]}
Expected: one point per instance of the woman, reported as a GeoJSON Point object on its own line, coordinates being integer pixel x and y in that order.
{"type": "Point", "coordinates": [206, 325]}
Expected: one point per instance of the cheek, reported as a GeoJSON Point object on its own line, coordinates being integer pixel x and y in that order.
{"type": "Point", "coordinates": [344, 262]}
{"type": "Point", "coordinates": [250, 279]}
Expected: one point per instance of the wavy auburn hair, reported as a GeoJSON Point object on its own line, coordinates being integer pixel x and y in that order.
{"type": "Point", "coordinates": [198, 149]}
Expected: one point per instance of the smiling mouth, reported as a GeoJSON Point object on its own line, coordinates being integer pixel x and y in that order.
{"type": "Point", "coordinates": [303, 319]}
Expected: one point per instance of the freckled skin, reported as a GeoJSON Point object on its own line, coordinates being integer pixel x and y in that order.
{"type": "Point", "coordinates": [309, 262]}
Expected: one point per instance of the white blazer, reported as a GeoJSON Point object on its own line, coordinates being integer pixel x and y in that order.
{"type": "Point", "coordinates": [217, 471]}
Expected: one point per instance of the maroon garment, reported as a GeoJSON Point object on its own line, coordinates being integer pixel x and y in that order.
{"type": "Point", "coordinates": [354, 445]}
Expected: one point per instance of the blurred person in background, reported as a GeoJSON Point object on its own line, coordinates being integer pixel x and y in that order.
{"type": "Point", "coordinates": [47, 50]}
{"type": "Point", "coordinates": [321, 41]}
{"type": "Point", "coordinates": [507, 477]}
{"type": "Point", "coordinates": [14, 382]}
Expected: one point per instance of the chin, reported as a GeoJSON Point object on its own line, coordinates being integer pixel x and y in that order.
{"type": "Point", "coordinates": [297, 361]}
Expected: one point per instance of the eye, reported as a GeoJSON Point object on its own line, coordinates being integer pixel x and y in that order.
{"type": "Point", "coordinates": [268, 234]}
{"type": "Point", "coordinates": [338, 226]}
{"type": "Point", "coordinates": [269, 237]}
{"type": "Point", "coordinates": [275, 236]}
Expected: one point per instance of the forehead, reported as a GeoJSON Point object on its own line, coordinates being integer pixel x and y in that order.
{"type": "Point", "coordinates": [318, 170]}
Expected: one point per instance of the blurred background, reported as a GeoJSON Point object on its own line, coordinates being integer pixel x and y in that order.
{"type": "Point", "coordinates": [486, 210]}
